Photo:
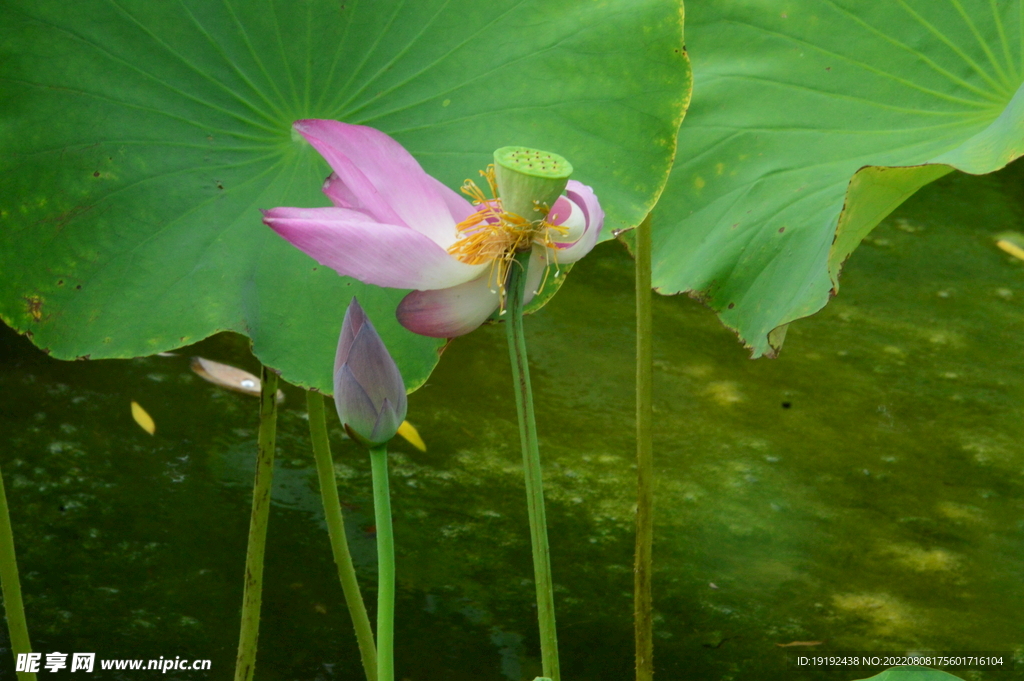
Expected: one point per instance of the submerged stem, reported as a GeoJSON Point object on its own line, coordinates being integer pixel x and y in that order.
{"type": "Point", "coordinates": [14, 609]}
{"type": "Point", "coordinates": [245, 664]}
{"type": "Point", "coordinates": [385, 565]}
{"type": "Point", "coordinates": [531, 465]}
{"type": "Point", "coordinates": [643, 626]}
{"type": "Point", "coordinates": [336, 532]}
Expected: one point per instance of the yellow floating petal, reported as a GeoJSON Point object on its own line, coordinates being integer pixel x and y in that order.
{"type": "Point", "coordinates": [409, 432]}
{"type": "Point", "coordinates": [144, 420]}
{"type": "Point", "coordinates": [1011, 248]}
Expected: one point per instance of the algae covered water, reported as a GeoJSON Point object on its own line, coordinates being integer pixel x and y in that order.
{"type": "Point", "coordinates": [863, 492]}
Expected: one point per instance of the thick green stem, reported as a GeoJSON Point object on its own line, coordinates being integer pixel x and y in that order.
{"type": "Point", "coordinates": [385, 565]}
{"type": "Point", "coordinates": [336, 531]}
{"type": "Point", "coordinates": [643, 625]}
{"type": "Point", "coordinates": [531, 466]}
{"type": "Point", "coordinates": [245, 665]}
{"type": "Point", "coordinates": [14, 609]}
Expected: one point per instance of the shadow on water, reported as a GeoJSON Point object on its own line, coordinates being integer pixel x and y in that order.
{"type": "Point", "coordinates": [865, 490]}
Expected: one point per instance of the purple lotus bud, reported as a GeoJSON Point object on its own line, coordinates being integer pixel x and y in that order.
{"type": "Point", "coordinates": [368, 389]}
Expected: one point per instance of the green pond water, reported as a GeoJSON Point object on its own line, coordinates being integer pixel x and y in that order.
{"type": "Point", "coordinates": [864, 490]}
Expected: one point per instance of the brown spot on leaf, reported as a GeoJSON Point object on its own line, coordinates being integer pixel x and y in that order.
{"type": "Point", "coordinates": [62, 219]}
{"type": "Point", "coordinates": [702, 297]}
{"type": "Point", "coordinates": [34, 306]}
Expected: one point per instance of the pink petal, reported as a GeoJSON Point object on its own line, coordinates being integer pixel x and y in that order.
{"type": "Point", "coordinates": [459, 207]}
{"type": "Point", "coordinates": [583, 197]}
{"type": "Point", "coordinates": [354, 319]}
{"type": "Point", "coordinates": [373, 368]}
{"type": "Point", "coordinates": [342, 196]}
{"type": "Point", "coordinates": [354, 245]}
{"type": "Point", "coordinates": [455, 311]}
{"type": "Point", "coordinates": [388, 423]}
{"type": "Point", "coordinates": [449, 312]}
{"type": "Point", "coordinates": [354, 406]}
{"type": "Point", "coordinates": [381, 178]}
{"type": "Point", "coordinates": [561, 211]}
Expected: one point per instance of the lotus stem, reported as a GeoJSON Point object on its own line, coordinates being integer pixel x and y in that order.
{"type": "Point", "coordinates": [385, 565]}
{"type": "Point", "coordinates": [245, 665]}
{"type": "Point", "coordinates": [14, 609]}
{"type": "Point", "coordinates": [336, 532]}
{"type": "Point", "coordinates": [531, 466]}
{"type": "Point", "coordinates": [643, 624]}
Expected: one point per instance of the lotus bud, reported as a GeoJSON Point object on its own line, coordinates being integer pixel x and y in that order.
{"type": "Point", "coordinates": [368, 389]}
{"type": "Point", "coordinates": [529, 181]}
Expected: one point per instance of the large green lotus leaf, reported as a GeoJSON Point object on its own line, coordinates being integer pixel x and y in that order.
{"type": "Point", "coordinates": [139, 139]}
{"type": "Point", "coordinates": [812, 120]}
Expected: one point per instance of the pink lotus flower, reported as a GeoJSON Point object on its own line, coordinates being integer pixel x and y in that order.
{"type": "Point", "coordinates": [393, 225]}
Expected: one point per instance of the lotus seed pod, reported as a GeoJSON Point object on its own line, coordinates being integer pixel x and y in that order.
{"type": "Point", "coordinates": [529, 181]}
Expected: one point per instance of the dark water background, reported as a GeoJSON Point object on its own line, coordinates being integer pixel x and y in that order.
{"type": "Point", "coordinates": [865, 490]}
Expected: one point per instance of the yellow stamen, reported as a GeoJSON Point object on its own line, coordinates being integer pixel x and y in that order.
{"type": "Point", "coordinates": [493, 235]}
